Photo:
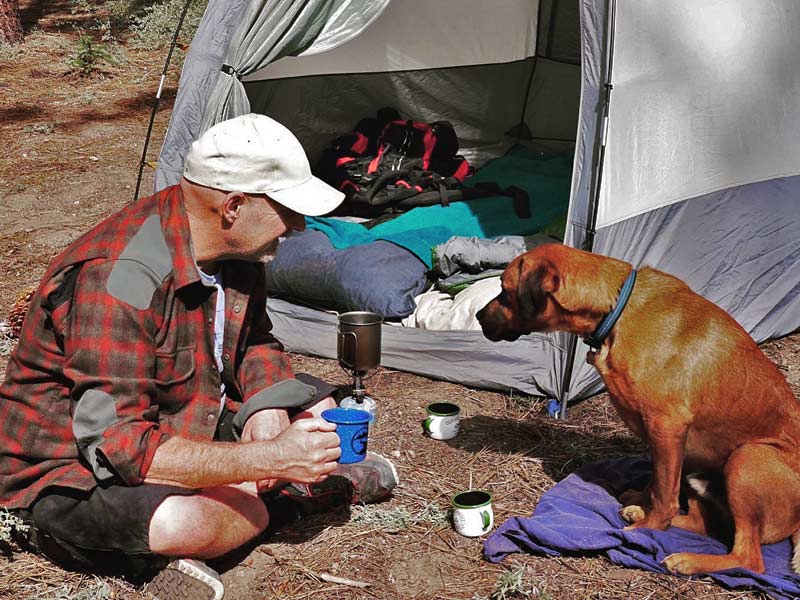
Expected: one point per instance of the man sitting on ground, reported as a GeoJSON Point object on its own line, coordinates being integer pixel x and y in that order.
{"type": "Point", "coordinates": [146, 354]}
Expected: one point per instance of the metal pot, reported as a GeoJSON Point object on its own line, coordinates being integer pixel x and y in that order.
{"type": "Point", "coordinates": [358, 342]}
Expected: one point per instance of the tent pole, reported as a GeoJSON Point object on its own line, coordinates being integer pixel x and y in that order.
{"type": "Point", "coordinates": [567, 379]}
{"type": "Point", "coordinates": [156, 101]}
{"type": "Point", "coordinates": [602, 129]}
{"type": "Point", "coordinates": [521, 130]}
{"type": "Point", "coordinates": [598, 162]}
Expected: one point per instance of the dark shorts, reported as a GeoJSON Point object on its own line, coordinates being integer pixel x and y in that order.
{"type": "Point", "coordinates": [103, 530]}
{"type": "Point", "coordinates": [107, 530]}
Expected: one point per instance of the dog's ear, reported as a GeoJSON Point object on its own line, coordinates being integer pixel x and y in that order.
{"type": "Point", "coordinates": [533, 287]}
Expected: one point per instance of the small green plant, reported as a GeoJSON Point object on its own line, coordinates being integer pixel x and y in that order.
{"type": "Point", "coordinates": [43, 128]}
{"type": "Point", "coordinates": [525, 402]}
{"type": "Point", "coordinates": [433, 514]}
{"type": "Point", "coordinates": [388, 519]}
{"type": "Point", "coordinates": [9, 523]}
{"type": "Point", "coordinates": [99, 590]}
{"type": "Point", "coordinates": [512, 585]}
{"type": "Point", "coordinates": [81, 6]}
{"type": "Point", "coordinates": [88, 56]}
{"type": "Point", "coordinates": [154, 27]}
{"type": "Point", "coordinates": [394, 519]}
{"type": "Point", "coordinates": [9, 52]}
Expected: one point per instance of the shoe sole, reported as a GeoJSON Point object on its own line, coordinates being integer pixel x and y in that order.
{"type": "Point", "coordinates": [184, 580]}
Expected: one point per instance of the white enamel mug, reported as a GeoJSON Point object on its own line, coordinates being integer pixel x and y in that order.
{"type": "Point", "coordinates": [442, 420]}
{"type": "Point", "coordinates": [472, 513]}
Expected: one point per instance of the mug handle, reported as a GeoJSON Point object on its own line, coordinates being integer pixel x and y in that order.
{"type": "Point", "coordinates": [426, 424]}
{"type": "Point", "coordinates": [486, 519]}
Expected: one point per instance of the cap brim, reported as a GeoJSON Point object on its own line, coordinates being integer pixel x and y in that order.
{"type": "Point", "coordinates": [311, 198]}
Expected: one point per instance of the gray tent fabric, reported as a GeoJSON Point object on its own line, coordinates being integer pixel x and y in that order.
{"type": "Point", "coordinates": [740, 248]}
{"type": "Point", "coordinates": [463, 357]}
{"type": "Point", "coordinates": [199, 75]}
{"type": "Point", "coordinates": [678, 113]}
{"type": "Point", "coordinates": [593, 65]}
{"type": "Point", "coordinates": [277, 28]}
{"type": "Point", "coordinates": [250, 35]}
{"type": "Point", "coordinates": [744, 255]}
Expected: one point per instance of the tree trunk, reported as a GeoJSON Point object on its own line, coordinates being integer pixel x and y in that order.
{"type": "Point", "coordinates": [10, 24]}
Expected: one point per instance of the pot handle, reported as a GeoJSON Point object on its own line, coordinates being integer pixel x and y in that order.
{"type": "Point", "coordinates": [355, 342]}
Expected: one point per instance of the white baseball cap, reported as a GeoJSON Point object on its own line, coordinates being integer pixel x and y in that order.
{"type": "Point", "coordinates": [255, 154]}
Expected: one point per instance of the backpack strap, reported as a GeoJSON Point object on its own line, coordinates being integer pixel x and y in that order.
{"type": "Point", "coordinates": [519, 197]}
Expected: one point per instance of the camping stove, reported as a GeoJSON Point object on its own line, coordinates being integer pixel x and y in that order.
{"type": "Point", "coordinates": [358, 347]}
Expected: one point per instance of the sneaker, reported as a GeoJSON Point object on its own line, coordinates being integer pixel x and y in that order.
{"type": "Point", "coordinates": [186, 579]}
{"type": "Point", "coordinates": [370, 480]}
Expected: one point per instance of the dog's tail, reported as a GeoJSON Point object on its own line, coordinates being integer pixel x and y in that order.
{"type": "Point", "coordinates": [710, 488]}
{"type": "Point", "coordinates": [796, 552]}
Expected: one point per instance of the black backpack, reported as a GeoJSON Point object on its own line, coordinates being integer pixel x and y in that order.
{"type": "Point", "coordinates": [388, 164]}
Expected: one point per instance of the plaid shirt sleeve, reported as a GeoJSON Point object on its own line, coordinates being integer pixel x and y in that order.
{"type": "Point", "coordinates": [110, 354]}
{"type": "Point", "coordinates": [264, 363]}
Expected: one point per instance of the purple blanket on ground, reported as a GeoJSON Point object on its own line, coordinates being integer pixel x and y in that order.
{"type": "Point", "coordinates": [579, 516]}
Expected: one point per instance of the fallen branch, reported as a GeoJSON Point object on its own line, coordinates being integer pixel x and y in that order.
{"type": "Point", "coordinates": [341, 580]}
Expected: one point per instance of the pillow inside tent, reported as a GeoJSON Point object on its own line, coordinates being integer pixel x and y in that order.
{"type": "Point", "coordinates": [379, 277]}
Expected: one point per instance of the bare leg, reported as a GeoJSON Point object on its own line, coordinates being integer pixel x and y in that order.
{"type": "Point", "coordinates": [216, 520]}
{"type": "Point", "coordinates": [208, 524]}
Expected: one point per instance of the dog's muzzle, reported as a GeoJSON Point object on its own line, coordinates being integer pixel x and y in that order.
{"type": "Point", "coordinates": [495, 325]}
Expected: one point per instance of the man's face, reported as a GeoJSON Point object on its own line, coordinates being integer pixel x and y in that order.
{"type": "Point", "coordinates": [262, 221]}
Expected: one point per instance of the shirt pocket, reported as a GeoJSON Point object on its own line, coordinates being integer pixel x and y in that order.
{"type": "Point", "coordinates": [174, 367]}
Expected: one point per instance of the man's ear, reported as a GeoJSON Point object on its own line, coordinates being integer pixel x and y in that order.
{"type": "Point", "coordinates": [533, 287]}
{"type": "Point", "coordinates": [232, 205]}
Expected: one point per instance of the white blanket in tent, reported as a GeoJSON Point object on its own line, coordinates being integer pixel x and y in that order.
{"type": "Point", "coordinates": [439, 311]}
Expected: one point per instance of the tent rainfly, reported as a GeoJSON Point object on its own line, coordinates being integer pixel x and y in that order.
{"type": "Point", "coordinates": [683, 116]}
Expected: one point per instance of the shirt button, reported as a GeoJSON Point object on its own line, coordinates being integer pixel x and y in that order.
{"type": "Point", "coordinates": [211, 417]}
{"type": "Point", "coordinates": [210, 320]}
{"type": "Point", "coordinates": [237, 308]}
{"type": "Point", "coordinates": [226, 357]}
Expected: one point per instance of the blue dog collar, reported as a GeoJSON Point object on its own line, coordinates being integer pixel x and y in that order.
{"type": "Point", "coordinates": [598, 336]}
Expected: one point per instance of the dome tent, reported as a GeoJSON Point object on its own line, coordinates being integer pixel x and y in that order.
{"type": "Point", "coordinates": [682, 115]}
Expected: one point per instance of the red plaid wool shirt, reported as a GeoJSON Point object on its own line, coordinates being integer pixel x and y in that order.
{"type": "Point", "coordinates": [116, 355]}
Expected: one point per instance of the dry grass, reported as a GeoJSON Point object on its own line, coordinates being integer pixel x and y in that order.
{"type": "Point", "coordinates": [406, 547]}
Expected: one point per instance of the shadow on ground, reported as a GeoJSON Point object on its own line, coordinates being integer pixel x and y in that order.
{"type": "Point", "coordinates": [561, 448]}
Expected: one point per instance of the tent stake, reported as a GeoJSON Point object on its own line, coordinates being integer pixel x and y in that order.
{"type": "Point", "coordinates": [571, 351]}
{"type": "Point", "coordinates": [156, 101]}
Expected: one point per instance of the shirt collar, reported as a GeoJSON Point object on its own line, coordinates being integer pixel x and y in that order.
{"type": "Point", "coordinates": [175, 225]}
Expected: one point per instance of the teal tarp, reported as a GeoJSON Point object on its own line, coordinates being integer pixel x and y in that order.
{"type": "Point", "coordinates": [545, 177]}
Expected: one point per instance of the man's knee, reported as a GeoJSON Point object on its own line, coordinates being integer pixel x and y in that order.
{"type": "Point", "coordinates": [208, 524]}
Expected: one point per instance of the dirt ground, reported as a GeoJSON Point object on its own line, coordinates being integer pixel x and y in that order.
{"type": "Point", "coordinates": [70, 153]}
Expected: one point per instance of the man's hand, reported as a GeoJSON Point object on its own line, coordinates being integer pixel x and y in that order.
{"type": "Point", "coordinates": [306, 452]}
{"type": "Point", "coordinates": [264, 425]}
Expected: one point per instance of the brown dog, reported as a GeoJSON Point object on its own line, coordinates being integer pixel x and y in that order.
{"type": "Point", "coordinates": [687, 379]}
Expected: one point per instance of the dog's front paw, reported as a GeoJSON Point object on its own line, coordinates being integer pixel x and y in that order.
{"type": "Point", "coordinates": [632, 513]}
{"type": "Point", "coordinates": [682, 563]}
